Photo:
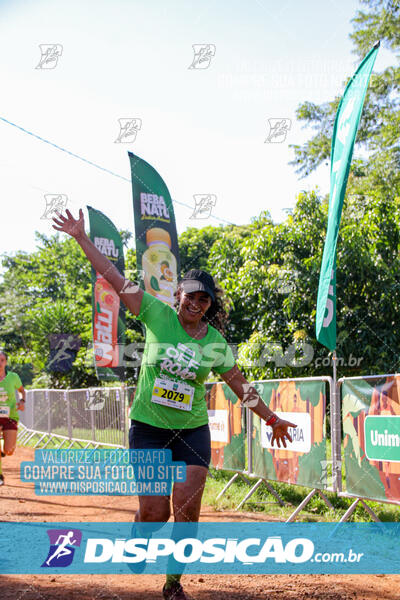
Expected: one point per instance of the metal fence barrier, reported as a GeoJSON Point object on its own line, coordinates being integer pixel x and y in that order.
{"type": "Point", "coordinates": [95, 416]}
{"type": "Point", "coordinates": [368, 476]}
{"type": "Point", "coordinates": [285, 456]}
{"type": "Point", "coordinates": [99, 417]}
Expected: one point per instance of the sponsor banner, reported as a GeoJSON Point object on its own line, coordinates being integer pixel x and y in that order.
{"type": "Point", "coordinates": [343, 138]}
{"type": "Point", "coordinates": [371, 429]}
{"type": "Point", "coordinates": [157, 252]}
{"type": "Point", "coordinates": [382, 438]}
{"type": "Point", "coordinates": [216, 548]}
{"type": "Point", "coordinates": [304, 460]}
{"type": "Point", "coordinates": [218, 423]}
{"type": "Point", "coordinates": [227, 428]}
{"type": "Point", "coordinates": [108, 312]}
{"type": "Point", "coordinates": [301, 435]}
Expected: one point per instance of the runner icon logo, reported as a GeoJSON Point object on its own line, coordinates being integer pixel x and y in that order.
{"type": "Point", "coordinates": [62, 547]}
{"type": "Point", "coordinates": [203, 53]}
{"type": "Point", "coordinates": [277, 130]}
{"type": "Point", "coordinates": [128, 129]}
{"type": "Point", "coordinates": [50, 53]}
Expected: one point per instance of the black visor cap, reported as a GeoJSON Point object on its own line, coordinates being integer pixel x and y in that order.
{"type": "Point", "coordinates": [198, 281]}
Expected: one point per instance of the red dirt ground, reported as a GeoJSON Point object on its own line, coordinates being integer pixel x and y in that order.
{"type": "Point", "coordinates": [19, 503]}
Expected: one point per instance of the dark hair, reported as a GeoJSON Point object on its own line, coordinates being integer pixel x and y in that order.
{"type": "Point", "coordinates": [217, 315]}
{"type": "Point", "coordinates": [4, 354]}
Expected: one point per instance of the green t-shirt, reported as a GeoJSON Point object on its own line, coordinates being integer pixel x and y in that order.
{"type": "Point", "coordinates": [8, 385]}
{"type": "Point", "coordinates": [171, 353]}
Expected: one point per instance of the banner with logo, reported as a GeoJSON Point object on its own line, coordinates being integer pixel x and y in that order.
{"type": "Point", "coordinates": [343, 138]}
{"type": "Point", "coordinates": [227, 426]}
{"type": "Point", "coordinates": [216, 548]}
{"type": "Point", "coordinates": [304, 460]}
{"type": "Point", "coordinates": [157, 252]}
{"type": "Point", "coordinates": [371, 429]}
{"type": "Point", "coordinates": [108, 312]}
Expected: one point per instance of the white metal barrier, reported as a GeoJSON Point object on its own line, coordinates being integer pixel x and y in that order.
{"type": "Point", "coordinates": [93, 416]}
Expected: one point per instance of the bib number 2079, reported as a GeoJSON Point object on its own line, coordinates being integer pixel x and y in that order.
{"type": "Point", "coordinates": [173, 394]}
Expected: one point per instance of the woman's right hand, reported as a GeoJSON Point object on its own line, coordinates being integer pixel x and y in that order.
{"type": "Point", "coordinates": [130, 293]}
{"type": "Point", "coordinates": [74, 227]}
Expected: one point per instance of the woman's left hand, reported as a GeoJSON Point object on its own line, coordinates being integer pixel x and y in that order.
{"type": "Point", "coordinates": [280, 432]}
{"type": "Point", "coordinates": [21, 406]}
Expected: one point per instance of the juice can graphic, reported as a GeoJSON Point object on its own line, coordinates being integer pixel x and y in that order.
{"type": "Point", "coordinates": [159, 265]}
{"type": "Point", "coordinates": [105, 330]}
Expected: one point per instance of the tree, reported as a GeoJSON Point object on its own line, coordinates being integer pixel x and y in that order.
{"type": "Point", "coordinates": [45, 292]}
{"type": "Point", "coordinates": [195, 246]}
{"type": "Point", "coordinates": [378, 133]}
{"type": "Point", "coordinates": [368, 246]}
{"type": "Point", "coordinates": [274, 284]}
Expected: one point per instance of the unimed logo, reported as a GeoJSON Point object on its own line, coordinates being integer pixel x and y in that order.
{"type": "Point", "coordinates": [382, 437]}
{"type": "Point", "coordinates": [189, 550]}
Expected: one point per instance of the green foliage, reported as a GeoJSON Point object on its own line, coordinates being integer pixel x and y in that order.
{"type": "Point", "coordinates": [273, 282]}
{"type": "Point", "coordinates": [380, 22]}
{"type": "Point", "coordinates": [45, 292]}
{"type": "Point", "coordinates": [368, 248]}
{"type": "Point", "coordinates": [195, 245]}
{"type": "Point", "coordinates": [378, 134]}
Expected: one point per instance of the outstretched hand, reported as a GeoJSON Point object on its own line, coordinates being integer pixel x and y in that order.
{"type": "Point", "coordinates": [74, 227]}
{"type": "Point", "coordinates": [280, 432]}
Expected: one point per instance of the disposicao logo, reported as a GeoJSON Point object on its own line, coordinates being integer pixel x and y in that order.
{"type": "Point", "coordinates": [190, 550]}
{"type": "Point", "coordinates": [62, 547]}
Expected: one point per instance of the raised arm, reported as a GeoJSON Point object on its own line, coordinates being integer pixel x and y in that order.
{"type": "Point", "coordinates": [249, 397]}
{"type": "Point", "coordinates": [130, 293]}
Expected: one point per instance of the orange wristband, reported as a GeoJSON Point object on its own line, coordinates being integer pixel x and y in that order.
{"type": "Point", "coordinates": [272, 420]}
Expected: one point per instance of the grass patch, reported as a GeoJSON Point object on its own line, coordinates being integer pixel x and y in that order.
{"type": "Point", "coordinates": [262, 501]}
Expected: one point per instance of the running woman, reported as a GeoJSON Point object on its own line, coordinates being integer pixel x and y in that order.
{"type": "Point", "coordinates": [191, 347]}
{"type": "Point", "coordinates": [9, 383]}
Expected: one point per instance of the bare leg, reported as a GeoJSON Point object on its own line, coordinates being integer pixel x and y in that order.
{"type": "Point", "coordinates": [187, 494]}
{"type": "Point", "coordinates": [153, 512]}
{"type": "Point", "coordinates": [10, 441]}
{"type": "Point", "coordinates": [186, 500]}
{"type": "Point", "coordinates": [153, 509]}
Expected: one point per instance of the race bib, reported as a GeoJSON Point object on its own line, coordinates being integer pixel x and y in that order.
{"type": "Point", "coordinates": [173, 394]}
{"type": "Point", "coordinates": [4, 411]}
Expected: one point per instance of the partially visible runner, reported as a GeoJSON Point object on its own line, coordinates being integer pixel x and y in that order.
{"type": "Point", "coordinates": [9, 383]}
{"type": "Point", "coordinates": [191, 345]}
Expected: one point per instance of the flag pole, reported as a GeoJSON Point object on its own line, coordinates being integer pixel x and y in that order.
{"type": "Point", "coordinates": [335, 430]}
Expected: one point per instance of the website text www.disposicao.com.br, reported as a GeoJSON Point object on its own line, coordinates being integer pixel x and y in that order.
{"type": "Point", "coordinates": [213, 550]}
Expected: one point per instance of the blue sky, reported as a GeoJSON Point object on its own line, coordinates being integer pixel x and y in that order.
{"type": "Point", "coordinates": [204, 130]}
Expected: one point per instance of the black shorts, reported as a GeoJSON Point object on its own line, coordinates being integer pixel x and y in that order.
{"type": "Point", "coordinates": [6, 423]}
{"type": "Point", "coordinates": [193, 446]}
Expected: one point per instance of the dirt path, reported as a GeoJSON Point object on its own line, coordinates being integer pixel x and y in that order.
{"type": "Point", "coordinates": [19, 503]}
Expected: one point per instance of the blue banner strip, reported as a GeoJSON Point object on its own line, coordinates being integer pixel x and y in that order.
{"type": "Point", "coordinates": [218, 548]}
